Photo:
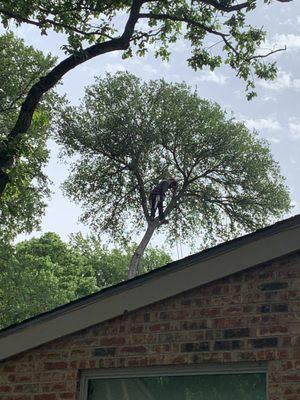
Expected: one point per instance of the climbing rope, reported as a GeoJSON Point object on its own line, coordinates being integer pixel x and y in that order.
{"type": "Point", "coordinates": [180, 243]}
{"type": "Point", "coordinates": [177, 249]}
{"type": "Point", "coordinates": [181, 252]}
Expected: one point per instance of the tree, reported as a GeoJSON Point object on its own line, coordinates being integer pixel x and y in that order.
{"type": "Point", "coordinates": [23, 203]}
{"type": "Point", "coordinates": [128, 134]}
{"type": "Point", "coordinates": [110, 266]}
{"type": "Point", "coordinates": [42, 273]}
{"type": "Point", "coordinates": [95, 24]}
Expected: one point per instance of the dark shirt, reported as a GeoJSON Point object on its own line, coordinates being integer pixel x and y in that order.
{"type": "Point", "coordinates": [161, 188]}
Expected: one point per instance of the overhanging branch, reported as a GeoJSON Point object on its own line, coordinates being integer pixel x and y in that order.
{"type": "Point", "coordinates": [221, 7]}
{"type": "Point", "coordinates": [225, 36]}
{"type": "Point", "coordinates": [46, 21]}
{"type": "Point", "coordinates": [185, 19]}
{"type": "Point", "coordinates": [236, 7]}
{"type": "Point", "coordinates": [52, 78]}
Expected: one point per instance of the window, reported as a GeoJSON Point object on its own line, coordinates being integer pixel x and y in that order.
{"type": "Point", "coordinates": [216, 383]}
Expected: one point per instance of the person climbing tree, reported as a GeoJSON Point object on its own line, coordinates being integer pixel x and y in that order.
{"type": "Point", "coordinates": [157, 196]}
{"type": "Point", "coordinates": [128, 134]}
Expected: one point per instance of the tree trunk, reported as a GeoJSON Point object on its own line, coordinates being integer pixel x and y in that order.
{"type": "Point", "coordinates": [138, 254]}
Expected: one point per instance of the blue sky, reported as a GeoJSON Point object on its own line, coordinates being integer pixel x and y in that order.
{"type": "Point", "coordinates": [274, 113]}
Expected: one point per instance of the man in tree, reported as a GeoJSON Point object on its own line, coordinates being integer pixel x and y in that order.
{"type": "Point", "coordinates": [128, 133]}
{"type": "Point", "coordinates": [157, 196]}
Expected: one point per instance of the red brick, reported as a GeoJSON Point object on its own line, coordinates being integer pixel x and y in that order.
{"type": "Point", "coordinates": [67, 395]}
{"type": "Point", "coordinates": [45, 396]}
{"type": "Point", "coordinates": [55, 365]}
{"type": "Point", "coordinates": [159, 327]}
{"type": "Point", "coordinates": [226, 314]}
{"type": "Point", "coordinates": [5, 389]}
{"type": "Point", "coordinates": [22, 397]}
{"type": "Point", "coordinates": [26, 388]}
{"type": "Point", "coordinates": [133, 349]}
{"type": "Point", "coordinates": [9, 368]}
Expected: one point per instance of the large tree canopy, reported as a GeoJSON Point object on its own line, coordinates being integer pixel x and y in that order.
{"type": "Point", "coordinates": [96, 27]}
{"type": "Point", "coordinates": [24, 200]}
{"type": "Point", "coordinates": [42, 273]}
{"type": "Point", "coordinates": [128, 134]}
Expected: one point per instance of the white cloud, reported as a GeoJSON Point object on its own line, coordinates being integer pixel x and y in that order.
{"type": "Point", "coordinates": [113, 54]}
{"type": "Point", "coordinates": [166, 65]}
{"type": "Point", "coordinates": [113, 68]}
{"type": "Point", "coordinates": [174, 78]}
{"type": "Point", "coordinates": [179, 46]}
{"type": "Point", "coordinates": [291, 41]}
{"type": "Point", "coordinates": [212, 76]}
{"type": "Point", "coordinates": [149, 69]}
{"type": "Point", "coordinates": [261, 124]}
{"type": "Point", "coordinates": [284, 80]}
{"type": "Point", "coordinates": [268, 98]}
{"type": "Point", "coordinates": [288, 22]}
{"type": "Point", "coordinates": [136, 61]}
{"type": "Point", "coordinates": [25, 31]}
{"type": "Point", "coordinates": [88, 70]}
{"type": "Point", "coordinates": [274, 140]}
{"type": "Point", "coordinates": [294, 127]}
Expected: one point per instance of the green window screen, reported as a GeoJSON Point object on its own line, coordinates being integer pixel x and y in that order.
{"type": "Point", "coordinates": [193, 387]}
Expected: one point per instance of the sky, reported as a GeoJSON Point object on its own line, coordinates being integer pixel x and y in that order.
{"type": "Point", "coordinates": [274, 113]}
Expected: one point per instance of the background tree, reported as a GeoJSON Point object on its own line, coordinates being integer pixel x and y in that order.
{"type": "Point", "coordinates": [127, 135]}
{"type": "Point", "coordinates": [40, 274]}
{"type": "Point", "coordinates": [23, 203]}
{"type": "Point", "coordinates": [94, 27]}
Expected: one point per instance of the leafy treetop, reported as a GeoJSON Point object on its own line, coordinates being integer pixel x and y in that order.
{"type": "Point", "coordinates": [129, 134]}
{"type": "Point", "coordinates": [148, 22]}
{"type": "Point", "coordinates": [42, 273]}
{"type": "Point", "coordinates": [24, 201]}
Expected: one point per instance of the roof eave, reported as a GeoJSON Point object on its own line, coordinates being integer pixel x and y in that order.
{"type": "Point", "coordinates": [251, 250]}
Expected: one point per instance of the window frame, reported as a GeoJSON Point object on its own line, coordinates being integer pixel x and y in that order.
{"type": "Point", "coordinates": [199, 369]}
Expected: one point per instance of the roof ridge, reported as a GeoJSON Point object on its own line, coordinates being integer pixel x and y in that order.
{"type": "Point", "coordinates": [173, 266]}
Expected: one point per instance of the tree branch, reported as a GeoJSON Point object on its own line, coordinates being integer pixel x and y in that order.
{"type": "Point", "coordinates": [222, 7]}
{"type": "Point", "coordinates": [172, 205]}
{"type": "Point", "coordinates": [235, 51]}
{"type": "Point", "coordinates": [185, 19]}
{"type": "Point", "coordinates": [44, 22]}
{"type": "Point", "coordinates": [117, 207]}
{"type": "Point", "coordinates": [133, 269]}
{"type": "Point", "coordinates": [208, 29]}
{"type": "Point", "coordinates": [53, 77]}
{"type": "Point", "coordinates": [20, 93]}
{"type": "Point", "coordinates": [141, 189]}
{"type": "Point", "coordinates": [236, 7]}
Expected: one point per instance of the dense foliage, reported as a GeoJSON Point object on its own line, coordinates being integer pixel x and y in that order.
{"type": "Point", "coordinates": [24, 201]}
{"type": "Point", "coordinates": [156, 22]}
{"type": "Point", "coordinates": [42, 273]}
{"type": "Point", "coordinates": [127, 135]}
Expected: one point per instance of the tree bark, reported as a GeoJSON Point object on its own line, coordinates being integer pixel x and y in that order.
{"type": "Point", "coordinates": [138, 254]}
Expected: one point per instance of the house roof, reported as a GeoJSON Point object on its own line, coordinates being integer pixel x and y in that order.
{"type": "Point", "coordinates": [176, 277]}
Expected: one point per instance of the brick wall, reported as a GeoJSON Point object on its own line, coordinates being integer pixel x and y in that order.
{"type": "Point", "coordinates": [249, 316]}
